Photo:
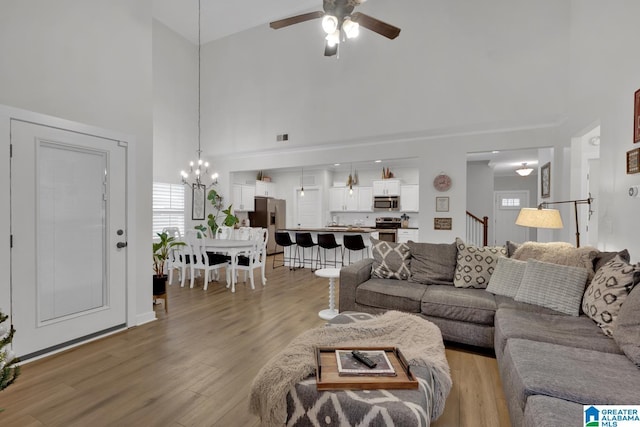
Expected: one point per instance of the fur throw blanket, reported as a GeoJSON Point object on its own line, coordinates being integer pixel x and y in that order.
{"type": "Point", "coordinates": [419, 340]}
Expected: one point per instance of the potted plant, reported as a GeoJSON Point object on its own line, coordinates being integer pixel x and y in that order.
{"type": "Point", "coordinates": [219, 217]}
{"type": "Point", "coordinates": [161, 251]}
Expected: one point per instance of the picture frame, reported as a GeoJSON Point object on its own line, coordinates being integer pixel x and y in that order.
{"type": "Point", "coordinates": [545, 180]}
{"type": "Point", "coordinates": [198, 199]}
{"type": "Point", "coordinates": [442, 204]}
{"type": "Point", "coordinates": [636, 117]}
{"type": "Point", "coordinates": [442, 223]}
{"type": "Point", "coordinates": [633, 161]}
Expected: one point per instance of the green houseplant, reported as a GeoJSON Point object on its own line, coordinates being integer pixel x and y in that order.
{"type": "Point", "coordinates": [219, 217]}
{"type": "Point", "coordinates": [161, 251]}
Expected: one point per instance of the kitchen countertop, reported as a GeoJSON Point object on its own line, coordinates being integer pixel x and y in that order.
{"type": "Point", "coordinates": [343, 229]}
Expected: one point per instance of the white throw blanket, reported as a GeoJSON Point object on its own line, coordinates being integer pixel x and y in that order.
{"type": "Point", "coordinates": [419, 340]}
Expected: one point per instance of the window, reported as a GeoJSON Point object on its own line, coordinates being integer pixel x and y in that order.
{"type": "Point", "coordinates": [510, 203]}
{"type": "Point", "coordinates": [168, 207]}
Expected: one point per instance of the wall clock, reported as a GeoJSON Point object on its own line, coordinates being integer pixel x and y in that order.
{"type": "Point", "coordinates": [442, 182]}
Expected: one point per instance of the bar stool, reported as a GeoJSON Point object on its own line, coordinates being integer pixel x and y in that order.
{"type": "Point", "coordinates": [283, 239]}
{"type": "Point", "coordinates": [305, 241]}
{"type": "Point", "coordinates": [328, 241]}
{"type": "Point", "coordinates": [353, 242]}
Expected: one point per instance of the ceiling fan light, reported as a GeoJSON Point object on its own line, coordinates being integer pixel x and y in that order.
{"type": "Point", "coordinates": [351, 29]}
{"type": "Point", "coordinates": [333, 39]}
{"type": "Point", "coordinates": [524, 170]}
{"type": "Point", "coordinates": [329, 24]}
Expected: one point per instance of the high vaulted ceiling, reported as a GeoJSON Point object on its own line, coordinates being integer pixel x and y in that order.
{"type": "Point", "coordinates": [221, 18]}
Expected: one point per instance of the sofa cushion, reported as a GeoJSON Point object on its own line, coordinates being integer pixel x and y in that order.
{"type": "Point", "coordinates": [608, 290]}
{"type": "Point", "coordinates": [475, 264]}
{"type": "Point", "coordinates": [545, 411]}
{"type": "Point", "coordinates": [463, 304]}
{"type": "Point", "coordinates": [506, 277]}
{"type": "Point", "coordinates": [558, 287]}
{"type": "Point", "coordinates": [391, 294]}
{"type": "Point", "coordinates": [583, 376]}
{"type": "Point", "coordinates": [602, 258]}
{"type": "Point", "coordinates": [572, 331]}
{"type": "Point", "coordinates": [506, 302]}
{"type": "Point", "coordinates": [627, 329]}
{"type": "Point", "coordinates": [561, 253]}
{"type": "Point", "coordinates": [432, 263]}
{"type": "Point", "coordinates": [391, 260]}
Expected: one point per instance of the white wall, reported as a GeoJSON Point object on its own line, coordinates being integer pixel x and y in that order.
{"type": "Point", "coordinates": [89, 62]}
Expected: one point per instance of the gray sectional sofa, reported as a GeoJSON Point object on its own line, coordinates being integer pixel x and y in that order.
{"type": "Point", "coordinates": [558, 346]}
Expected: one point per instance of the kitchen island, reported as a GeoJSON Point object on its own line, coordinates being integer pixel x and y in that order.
{"type": "Point", "coordinates": [339, 232]}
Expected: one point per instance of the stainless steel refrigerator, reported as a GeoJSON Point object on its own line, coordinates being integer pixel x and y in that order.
{"type": "Point", "coordinates": [270, 214]}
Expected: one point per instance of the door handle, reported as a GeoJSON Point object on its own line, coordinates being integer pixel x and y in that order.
{"type": "Point", "coordinates": [121, 245]}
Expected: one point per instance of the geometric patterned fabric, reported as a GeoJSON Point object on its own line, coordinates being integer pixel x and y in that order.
{"type": "Point", "coordinates": [476, 264]}
{"type": "Point", "coordinates": [390, 260]}
{"type": "Point", "coordinates": [608, 290]}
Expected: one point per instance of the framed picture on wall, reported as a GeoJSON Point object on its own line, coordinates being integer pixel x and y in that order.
{"type": "Point", "coordinates": [198, 198]}
{"type": "Point", "coordinates": [636, 117]}
{"type": "Point", "coordinates": [545, 180]}
{"type": "Point", "coordinates": [442, 204]}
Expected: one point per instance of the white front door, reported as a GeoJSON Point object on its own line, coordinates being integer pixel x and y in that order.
{"type": "Point", "coordinates": [68, 277]}
{"type": "Point", "coordinates": [506, 209]}
{"type": "Point", "coordinates": [308, 212]}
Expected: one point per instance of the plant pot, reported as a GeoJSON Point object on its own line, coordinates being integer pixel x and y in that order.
{"type": "Point", "coordinates": [159, 285]}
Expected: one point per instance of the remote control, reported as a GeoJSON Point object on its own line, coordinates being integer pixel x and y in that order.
{"type": "Point", "coordinates": [364, 359]}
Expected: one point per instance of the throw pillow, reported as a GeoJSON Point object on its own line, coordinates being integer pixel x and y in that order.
{"type": "Point", "coordinates": [432, 263]}
{"type": "Point", "coordinates": [512, 247]}
{"type": "Point", "coordinates": [626, 331]}
{"type": "Point", "coordinates": [560, 253]}
{"type": "Point", "coordinates": [602, 258]}
{"type": "Point", "coordinates": [475, 265]}
{"type": "Point", "coordinates": [506, 277]}
{"type": "Point", "coordinates": [558, 287]}
{"type": "Point", "coordinates": [607, 292]}
{"type": "Point", "coordinates": [390, 260]}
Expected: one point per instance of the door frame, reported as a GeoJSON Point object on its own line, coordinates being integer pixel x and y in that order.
{"type": "Point", "coordinates": [6, 115]}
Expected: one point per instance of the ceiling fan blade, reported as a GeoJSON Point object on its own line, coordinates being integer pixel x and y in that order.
{"type": "Point", "coordinates": [330, 51]}
{"type": "Point", "coordinates": [296, 19]}
{"type": "Point", "coordinates": [376, 25]}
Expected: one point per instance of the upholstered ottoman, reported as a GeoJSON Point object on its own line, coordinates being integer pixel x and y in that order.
{"type": "Point", "coordinates": [296, 401]}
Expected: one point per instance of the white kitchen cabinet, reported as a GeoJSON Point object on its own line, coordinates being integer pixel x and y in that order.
{"type": "Point", "coordinates": [403, 235]}
{"type": "Point", "coordinates": [410, 198]}
{"type": "Point", "coordinates": [243, 197]}
{"type": "Point", "coordinates": [386, 187]}
{"type": "Point", "coordinates": [341, 199]}
{"type": "Point", "coordinates": [265, 189]}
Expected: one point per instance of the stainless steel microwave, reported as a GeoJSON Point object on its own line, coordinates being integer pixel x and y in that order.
{"type": "Point", "coordinates": [386, 203]}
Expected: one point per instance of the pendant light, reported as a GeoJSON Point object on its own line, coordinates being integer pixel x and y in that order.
{"type": "Point", "coordinates": [302, 182]}
{"type": "Point", "coordinates": [198, 169]}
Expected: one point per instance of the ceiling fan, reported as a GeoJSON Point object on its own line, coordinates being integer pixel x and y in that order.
{"type": "Point", "coordinates": [338, 16]}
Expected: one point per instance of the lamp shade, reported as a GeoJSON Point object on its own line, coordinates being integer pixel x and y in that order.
{"type": "Point", "coordinates": [539, 218]}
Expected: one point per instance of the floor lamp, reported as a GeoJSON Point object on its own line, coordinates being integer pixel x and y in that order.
{"type": "Point", "coordinates": [541, 217]}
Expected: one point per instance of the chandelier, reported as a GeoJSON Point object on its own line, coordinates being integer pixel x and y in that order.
{"type": "Point", "coordinates": [198, 169]}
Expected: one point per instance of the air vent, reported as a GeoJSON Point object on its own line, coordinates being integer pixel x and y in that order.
{"type": "Point", "coordinates": [282, 137]}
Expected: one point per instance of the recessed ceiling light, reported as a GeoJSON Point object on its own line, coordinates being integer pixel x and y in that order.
{"type": "Point", "coordinates": [378, 161]}
{"type": "Point", "coordinates": [495, 152]}
{"type": "Point", "coordinates": [336, 164]}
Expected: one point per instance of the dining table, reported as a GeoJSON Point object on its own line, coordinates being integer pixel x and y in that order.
{"type": "Point", "coordinates": [231, 247]}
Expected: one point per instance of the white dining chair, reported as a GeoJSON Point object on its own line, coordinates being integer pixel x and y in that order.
{"type": "Point", "coordinates": [175, 233]}
{"type": "Point", "coordinates": [201, 260]}
{"type": "Point", "coordinates": [224, 232]}
{"type": "Point", "coordinates": [256, 258]}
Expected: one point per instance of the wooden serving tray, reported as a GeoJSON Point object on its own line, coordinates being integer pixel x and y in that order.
{"type": "Point", "coordinates": [327, 377]}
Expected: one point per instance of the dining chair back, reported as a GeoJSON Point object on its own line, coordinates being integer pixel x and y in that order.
{"type": "Point", "coordinates": [201, 260]}
{"type": "Point", "coordinates": [224, 232]}
{"type": "Point", "coordinates": [254, 258]}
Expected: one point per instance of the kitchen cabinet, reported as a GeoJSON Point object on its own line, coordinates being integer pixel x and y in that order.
{"type": "Point", "coordinates": [410, 198]}
{"type": "Point", "coordinates": [386, 187]}
{"type": "Point", "coordinates": [265, 189]}
{"type": "Point", "coordinates": [341, 200]}
{"type": "Point", "coordinates": [403, 235]}
{"type": "Point", "coordinates": [243, 197]}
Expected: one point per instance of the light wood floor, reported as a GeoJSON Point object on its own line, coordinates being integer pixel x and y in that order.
{"type": "Point", "coordinates": [194, 366]}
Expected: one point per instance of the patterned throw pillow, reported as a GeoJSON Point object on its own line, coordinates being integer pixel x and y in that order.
{"type": "Point", "coordinates": [390, 260]}
{"type": "Point", "coordinates": [608, 290]}
{"type": "Point", "coordinates": [506, 277]}
{"type": "Point", "coordinates": [555, 286]}
{"type": "Point", "coordinates": [475, 264]}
